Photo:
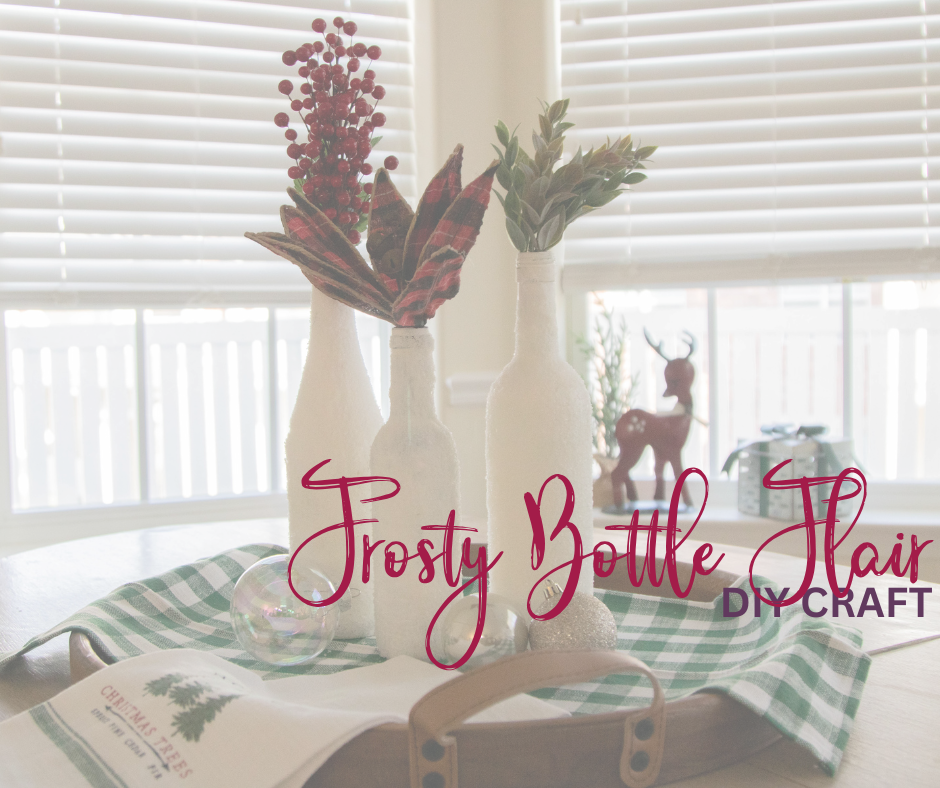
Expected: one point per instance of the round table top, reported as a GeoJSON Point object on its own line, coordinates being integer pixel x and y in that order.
{"type": "Point", "coordinates": [893, 741]}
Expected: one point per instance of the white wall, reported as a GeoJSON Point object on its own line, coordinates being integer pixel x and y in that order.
{"type": "Point", "coordinates": [489, 60]}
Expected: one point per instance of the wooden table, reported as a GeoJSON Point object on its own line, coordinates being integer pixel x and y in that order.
{"type": "Point", "coordinates": [894, 741]}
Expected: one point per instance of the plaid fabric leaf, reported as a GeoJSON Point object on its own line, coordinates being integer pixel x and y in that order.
{"type": "Point", "coordinates": [326, 241]}
{"type": "Point", "coordinates": [803, 675]}
{"type": "Point", "coordinates": [390, 216]}
{"type": "Point", "coordinates": [437, 198]}
{"type": "Point", "coordinates": [337, 283]}
{"type": "Point", "coordinates": [437, 280]}
{"type": "Point", "coordinates": [460, 225]}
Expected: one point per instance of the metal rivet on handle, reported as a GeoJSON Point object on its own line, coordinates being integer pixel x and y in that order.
{"type": "Point", "coordinates": [638, 763]}
{"type": "Point", "coordinates": [432, 750]}
{"type": "Point", "coordinates": [644, 729]}
{"type": "Point", "coordinates": [433, 780]}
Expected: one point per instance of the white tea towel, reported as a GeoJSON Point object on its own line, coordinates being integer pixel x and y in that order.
{"type": "Point", "coordinates": [190, 718]}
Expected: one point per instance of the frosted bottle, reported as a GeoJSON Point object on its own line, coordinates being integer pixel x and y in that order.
{"type": "Point", "coordinates": [538, 424]}
{"type": "Point", "coordinates": [417, 450]}
{"type": "Point", "coordinates": [335, 417]}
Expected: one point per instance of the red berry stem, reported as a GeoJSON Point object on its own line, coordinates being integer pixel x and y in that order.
{"type": "Point", "coordinates": [331, 162]}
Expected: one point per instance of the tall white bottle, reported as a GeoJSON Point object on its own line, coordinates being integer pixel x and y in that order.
{"type": "Point", "coordinates": [416, 449]}
{"type": "Point", "coordinates": [335, 417]}
{"type": "Point", "coordinates": [538, 424]}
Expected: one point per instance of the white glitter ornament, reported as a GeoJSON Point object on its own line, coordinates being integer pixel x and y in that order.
{"type": "Point", "coordinates": [586, 623]}
{"type": "Point", "coordinates": [504, 632]}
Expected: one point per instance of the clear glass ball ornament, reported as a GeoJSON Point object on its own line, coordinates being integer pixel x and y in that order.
{"type": "Point", "coordinates": [272, 624]}
{"type": "Point", "coordinates": [505, 631]}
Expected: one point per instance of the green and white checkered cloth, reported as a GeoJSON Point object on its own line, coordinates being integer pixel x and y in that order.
{"type": "Point", "coordinates": [803, 675]}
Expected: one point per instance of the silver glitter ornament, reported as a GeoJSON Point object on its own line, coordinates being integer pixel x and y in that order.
{"type": "Point", "coordinates": [585, 623]}
{"type": "Point", "coordinates": [505, 631]}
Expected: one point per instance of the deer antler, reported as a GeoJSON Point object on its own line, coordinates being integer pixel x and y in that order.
{"type": "Point", "coordinates": [658, 348]}
{"type": "Point", "coordinates": [690, 342]}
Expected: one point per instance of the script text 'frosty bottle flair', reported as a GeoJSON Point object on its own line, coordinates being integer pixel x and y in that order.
{"type": "Point", "coordinates": [417, 450]}
{"type": "Point", "coordinates": [335, 418]}
{"type": "Point", "coordinates": [538, 424]}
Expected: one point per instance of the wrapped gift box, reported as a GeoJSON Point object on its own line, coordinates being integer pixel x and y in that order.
{"type": "Point", "coordinates": [811, 456]}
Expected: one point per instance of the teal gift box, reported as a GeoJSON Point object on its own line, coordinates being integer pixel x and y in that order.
{"type": "Point", "coordinates": [810, 454]}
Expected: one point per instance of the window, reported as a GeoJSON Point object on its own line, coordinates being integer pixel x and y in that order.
{"type": "Point", "coordinates": [152, 352]}
{"type": "Point", "coordinates": [789, 213]}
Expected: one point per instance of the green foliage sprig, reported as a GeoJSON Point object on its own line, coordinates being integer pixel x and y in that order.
{"type": "Point", "coordinates": [613, 393]}
{"type": "Point", "coordinates": [540, 202]}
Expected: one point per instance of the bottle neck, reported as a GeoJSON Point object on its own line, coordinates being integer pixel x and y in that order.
{"type": "Point", "coordinates": [536, 320]}
{"type": "Point", "coordinates": [411, 390]}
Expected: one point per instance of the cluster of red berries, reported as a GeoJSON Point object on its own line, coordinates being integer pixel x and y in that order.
{"type": "Point", "coordinates": [339, 123]}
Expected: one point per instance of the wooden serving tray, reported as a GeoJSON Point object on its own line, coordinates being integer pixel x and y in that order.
{"type": "Point", "coordinates": [703, 732]}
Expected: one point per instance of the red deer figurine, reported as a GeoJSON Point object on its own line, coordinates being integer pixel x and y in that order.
{"type": "Point", "coordinates": [665, 432]}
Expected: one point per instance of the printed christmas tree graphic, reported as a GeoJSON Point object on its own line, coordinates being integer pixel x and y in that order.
{"type": "Point", "coordinates": [199, 707]}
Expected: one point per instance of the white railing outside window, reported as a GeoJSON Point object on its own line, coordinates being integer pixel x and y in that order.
{"type": "Point", "coordinates": [203, 427]}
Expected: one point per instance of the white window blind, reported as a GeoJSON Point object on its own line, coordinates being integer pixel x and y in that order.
{"type": "Point", "coordinates": [139, 143]}
{"type": "Point", "coordinates": [797, 139]}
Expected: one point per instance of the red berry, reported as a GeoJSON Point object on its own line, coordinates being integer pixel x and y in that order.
{"type": "Point", "coordinates": [323, 195]}
{"type": "Point", "coordinates": [303, 71]}
{"type": "Point", "coordinates": [290, 134]}
{"type": "Point", "coordinates": [309, 119]}
{"type": "Point", "coordinates": [331, 39]}
{"type": "Point", "coordinates": [296, 105]}
{"type": "Point", "coordinates": [342, 132]}
{"type": "Point", "coordinates": [303, 54]}
{"type": "Point", "coordinates": [352, 181]}
{"type": "Point", "coordinates": [368, 190]}
{"type": "Point", "coordinates": [281, 119]}
{"type": "Point", "coordinates": [354, 83]}
{"type": "Point", "coordinates": [308, 188]}
{"type": "Point", "coordinates": [366, 205]}
{"type": "Point", "coordinates": [374, 52]}
{"type": "Point", "coordinates": [364, 148]}
{"type": "Point", "coordinates": [391, 163]}
{"type": "Point", "coordinates": [378, 92]}
{"type": "Point", "coordinates": [318, 46]}
{"type": "Point", "coordinates": [350, 28]}
{"type": "Point", "coordinates": [368, 74]}
{"type": "Point", "coordinates": [289, 58]}
{"type": "Point", "coordinates": [305, 88]}
{"type": "Point", "coordinates": [321, 96]}
{"type": "Point", "coordinates": [347, 218]}
{"type": "Point", "coordinates": [336, 181]}
{"type": "Point", "coordinates": [330, 213]}
{"type": "Point", "coordinates": [367, 85]}
{"type": "Point", "coordinates": [285, 86]}
{"type": "Point", "coordinates": [341, 81]}
{"type": "Point", "coordinates": [318, 181]}
{"type": "Point", "coordinates": [294, 172]}
{"type": "Point", "coordinates": [326, 130]}
{"type": "Point", "coordinates": [378, 119]}
{"type": "Point", "coordinates": [356, 203]}
{"type": "Point", "coordinates": [305, 164]}
{"type": "Point", "coordinates": [359, 49]}
{"type": "Point", "coordinates": [354, 236]}
{"type": "Point", "coordinates": [328, 57]}
{"type": "Point", "coordinates": [342, 166]}
{"type": "Point", "coordinates": [365, 130]}
{"type": "Point", "coordinates": [294, 150]}
{"type": "Point", "coordinates": [366, 170]}
{"type": "Point", "coordinates": [307, 103]}
{"type": "Point", "coordinates": [319, 25]}
{"type": "Point", "coordinates": [352, 119]}
{"type": "Point", "coordinates": [340, 50]}
{"type": "Point", "coordinates": [338, 21]}
{"type": "Point", "coordinates": [313, 148]}
{"type": "Point", "coordinates": [343, 198]}
{"type": "Point", "coordinates": [353, 64]}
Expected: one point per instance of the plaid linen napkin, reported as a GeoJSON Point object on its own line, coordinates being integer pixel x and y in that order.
{"type": "Point", "coordinates": [805, 676]}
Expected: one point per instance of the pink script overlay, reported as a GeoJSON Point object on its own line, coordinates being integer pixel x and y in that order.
{"type": "Point", "coordinates": [604, 556]}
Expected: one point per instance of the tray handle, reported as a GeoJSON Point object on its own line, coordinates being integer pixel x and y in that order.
{"type": "Point", "coordinates": [433, 752]}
